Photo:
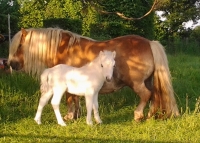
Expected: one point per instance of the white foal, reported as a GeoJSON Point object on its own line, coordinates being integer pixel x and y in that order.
{"type": "Point", "coordinates": [84, 81]}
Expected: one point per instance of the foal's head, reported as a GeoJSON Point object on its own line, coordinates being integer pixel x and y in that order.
{"type": "Point", "coordinates": [107, 61]}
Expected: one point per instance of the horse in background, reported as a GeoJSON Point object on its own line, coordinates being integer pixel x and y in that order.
{"type": "Point", "coordinates": [84, 81]}
{"type": "Point", "coordinates": [141, 64]}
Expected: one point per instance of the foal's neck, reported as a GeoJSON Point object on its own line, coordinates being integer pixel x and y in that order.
{"type": "Point", "coordinates": [94, 64]}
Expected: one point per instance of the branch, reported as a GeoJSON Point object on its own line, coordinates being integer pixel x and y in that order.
{"type": "Point", "coordinates": [121, 15]}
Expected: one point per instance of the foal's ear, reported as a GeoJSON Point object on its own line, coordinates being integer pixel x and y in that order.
{"type": "Point", "coordinates": [114, 54]}
{"type": "Point", "coordinates": [24, 32]}
{"type": "Point", "coordinates": [101, 53]}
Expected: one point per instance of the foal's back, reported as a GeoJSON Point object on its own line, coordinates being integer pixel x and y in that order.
{"type": "Point", "coordinates": [79, 81]}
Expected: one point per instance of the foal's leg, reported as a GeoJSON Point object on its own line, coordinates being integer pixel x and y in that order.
{"type": "Point", "coordinates": [95, 109]}
{"type": "Point", "coordinates": [144, 94]}
{"type": "Point", "coordinates": [58, 93]}
{"type": "Point", "coordinates": [89, 103]}
{"type": "Point", "coordinates": [43, 101]}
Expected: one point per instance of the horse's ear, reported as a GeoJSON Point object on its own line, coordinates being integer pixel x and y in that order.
{"type": "Point", "coordinates": [114, 54]}
{"type": "Point", "coordinates": [24, 32]}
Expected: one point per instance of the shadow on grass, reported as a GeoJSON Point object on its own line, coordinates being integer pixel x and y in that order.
{"type": "Point", "coordinates": [47, 138]}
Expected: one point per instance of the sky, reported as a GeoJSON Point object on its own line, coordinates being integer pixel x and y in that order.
{"type": "Point", "coordinates": [190, 24]}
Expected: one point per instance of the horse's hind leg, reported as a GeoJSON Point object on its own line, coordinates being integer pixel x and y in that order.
{"type": "Point", "coordinates": [43, 101]}
{"type": "Point", "coordinates": [144, 93]}
{"type": "Point", "coordinates": [77, 111]}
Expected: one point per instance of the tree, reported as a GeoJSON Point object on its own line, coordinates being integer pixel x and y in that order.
{"type": "Point", "coordinates": [176, 12]}
{"type": "Point", "coordinates": [32, 13]}
{"type": "Point", "coordinates": [195, 34]}
{"type": "Point", "coordinates": [97, 5]}
{"type": "Point", "coordinates": [113, 25]}
{"type": "Point", "coordinates": [8, 7]}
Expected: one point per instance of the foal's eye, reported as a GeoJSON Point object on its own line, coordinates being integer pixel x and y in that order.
{"type": "Point", "coordinates": [101, 65]}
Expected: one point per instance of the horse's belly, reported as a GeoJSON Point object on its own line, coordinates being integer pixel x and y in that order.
{"type": "Point", "coordinates": [109, 87]}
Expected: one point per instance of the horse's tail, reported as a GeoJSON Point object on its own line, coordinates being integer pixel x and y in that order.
{"type": "Point", "coordinates": [163, 99]}
{"type": "Point", "coordinates": [44, 85]}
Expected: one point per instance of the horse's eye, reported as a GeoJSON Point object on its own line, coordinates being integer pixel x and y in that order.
{"type": "Point", "coordinates": [101, 65]}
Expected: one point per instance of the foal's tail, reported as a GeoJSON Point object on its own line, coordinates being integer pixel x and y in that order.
{"type": "Point", "coordinates": [163, 99]}
{"type": "Point", "coordinates": [44, 87]}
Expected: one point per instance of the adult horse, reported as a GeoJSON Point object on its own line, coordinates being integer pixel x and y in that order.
{"type": "Point", "coordinates": [141, 64]}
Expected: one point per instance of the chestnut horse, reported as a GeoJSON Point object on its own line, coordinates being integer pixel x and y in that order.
{"type": "Point", "coordinates": [141, 64]}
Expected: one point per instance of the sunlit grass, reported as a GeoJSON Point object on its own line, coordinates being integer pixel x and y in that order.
{"type": "Point", "coordinates": [19, 95]}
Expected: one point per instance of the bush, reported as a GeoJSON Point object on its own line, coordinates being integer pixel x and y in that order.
{"type": "Point", "coordinates": [4, 49]}
{"type": "Point", "coordinates": [64, 23]}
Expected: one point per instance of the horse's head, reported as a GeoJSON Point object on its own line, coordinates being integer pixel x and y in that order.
{"type": "Point", "coordinates": [107, 61]}
{"type": "Point", "coordinates": [16, 59]}
{"type": "Point", "coordinates": [34, 49]}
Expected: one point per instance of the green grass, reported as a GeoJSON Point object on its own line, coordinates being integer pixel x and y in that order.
{"type": "Point", "coordinates": [19, 95]}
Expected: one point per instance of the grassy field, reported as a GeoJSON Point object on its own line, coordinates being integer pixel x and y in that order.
{"type": "Point", "coordinates": [19, 96]}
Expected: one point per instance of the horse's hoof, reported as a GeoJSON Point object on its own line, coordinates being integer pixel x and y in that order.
{"type": "Point", "coordinates": [138, 116]}
{"type": "Point", "coordinates": [69, 116]}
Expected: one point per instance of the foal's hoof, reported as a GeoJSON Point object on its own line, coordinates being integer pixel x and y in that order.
{"type": "Point", "coordinates": [62, 124]}
{"type": "Point", "coordinates": [38, 121]}
{"type": "Point", "coordinates": [99, 122]}
{"type": "Point", "coordinates": [90, 123]}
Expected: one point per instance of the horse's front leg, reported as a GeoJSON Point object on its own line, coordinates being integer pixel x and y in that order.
{"type": "Point", "coordinates": [96, 110]}
{"type": "Point", "coordinates": [73, 112]}
{"type": "Point", "coordinates": [89, 104]}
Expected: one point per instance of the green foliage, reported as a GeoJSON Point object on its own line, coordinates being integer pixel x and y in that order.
{"type": "Point", "coordinates": [32, 14]}
{"type": "Point", "coordinates": [176, 12]}
{"type": "Point", "coordinates": [114, 29]}
{"type": "Point", "coordinates": [195, 35]}
{"type": "Point", "coordinates": [88, 19]}
{"type": "Point", "coordinates": [113, 26]}
{"type": "Point", "coordinates": [8, 7]}
{"type": "Point", "coordinates": [107, 30]}
{"type": "Point", "coordinates": [55, 9]}
{"type": "Point", "coordinates": [73, 9]}
{"type": "Point", "coordinates": [185, 46]}
{"type": "Point", "coordinates": [64, 23]}
{"type": "Point", "coordinates": [4, 50]}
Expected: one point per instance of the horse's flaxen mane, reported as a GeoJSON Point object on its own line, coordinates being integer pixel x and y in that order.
{"type": "Point", "coordinates": [75, 38]}
{"type": "Point", "coordinates": [40, 46]}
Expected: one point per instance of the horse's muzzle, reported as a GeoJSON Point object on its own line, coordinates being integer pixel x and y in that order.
{"type": "Point", "coordinates": [15, 65]}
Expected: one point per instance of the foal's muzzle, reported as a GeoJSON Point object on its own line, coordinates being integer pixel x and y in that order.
{"type": "Point", "coordinates": [108, 79]}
